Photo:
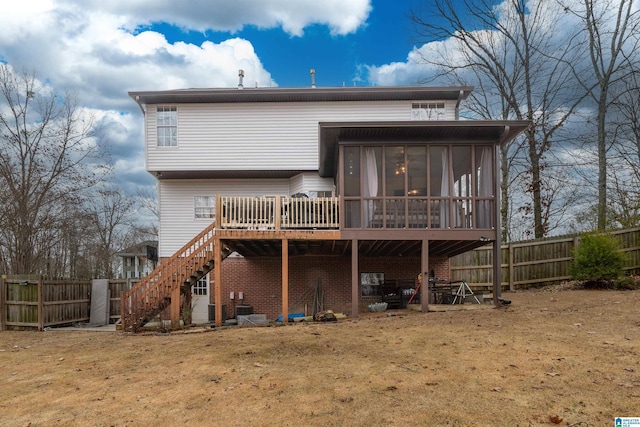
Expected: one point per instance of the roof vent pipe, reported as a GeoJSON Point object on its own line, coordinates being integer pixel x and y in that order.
{"type": "Point", "coordinates": [313, 77]}
{"type": "Point", "coordinates": [240, 76]}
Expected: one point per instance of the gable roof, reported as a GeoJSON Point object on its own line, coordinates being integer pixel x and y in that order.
{"type": "Point", "coordinates": [278, 94]}
{"type": "Point", "coordinates": [138, 249]}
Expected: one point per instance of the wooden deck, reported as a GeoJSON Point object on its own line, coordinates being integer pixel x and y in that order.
{"type": "Point", "coordinates": [278, 213]}
{"type": "Point", "coordinates": [256, 226]}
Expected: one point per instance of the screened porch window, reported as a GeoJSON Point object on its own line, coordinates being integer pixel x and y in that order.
{"type": "Point", "coordinates": [419, 186]}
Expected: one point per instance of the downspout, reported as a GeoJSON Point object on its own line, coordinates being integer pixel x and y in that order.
{"type": "Point", "coordinates": [140, 105]}
{"type": "Point", "coordinates": [504, 135]}
{"type": "Point", "coordinates": [458, 104]}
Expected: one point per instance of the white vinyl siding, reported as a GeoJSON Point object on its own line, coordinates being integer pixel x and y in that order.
{"type": "Point", "coordinates": [310, 182]}
{"type": "Point", "coordinates": [296, 184]}
{"type": "Point", "coordinates": [261, 136]}
{"type": "Point", "coordinates": [177, 210]}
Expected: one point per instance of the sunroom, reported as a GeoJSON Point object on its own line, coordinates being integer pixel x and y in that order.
{"type": "Point", "coordinates": [411, 176]}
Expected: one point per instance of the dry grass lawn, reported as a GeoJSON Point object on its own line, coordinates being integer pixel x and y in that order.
{"type": "Point", "coordinates": [551, 358]}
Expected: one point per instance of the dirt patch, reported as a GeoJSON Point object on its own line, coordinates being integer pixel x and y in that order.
{"type": "Point", "coordinates": [562, 357]}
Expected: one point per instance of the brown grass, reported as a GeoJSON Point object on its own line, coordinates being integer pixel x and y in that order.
{"type": "Point", "coordinates": [566, 358]}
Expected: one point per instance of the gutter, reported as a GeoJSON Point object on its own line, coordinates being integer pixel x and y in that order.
{"type": "Point", "coordinates": [140, 105]}
{"type": "Point", "coordinates": [505, 134]}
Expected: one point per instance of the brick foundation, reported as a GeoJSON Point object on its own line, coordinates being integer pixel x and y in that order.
{"type": "Point", "coordinates": [260, 280]}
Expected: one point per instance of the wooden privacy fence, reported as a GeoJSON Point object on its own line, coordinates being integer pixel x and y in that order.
{"type": "Point", "coordinates": [116, 288]}
{"type": "Point", "coordinates": [38, 304]}
{"type": "Point", "coordinates": [534, 263]}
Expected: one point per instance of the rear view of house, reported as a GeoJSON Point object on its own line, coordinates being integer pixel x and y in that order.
{"type": "Point", "coordinates": [270, 198]}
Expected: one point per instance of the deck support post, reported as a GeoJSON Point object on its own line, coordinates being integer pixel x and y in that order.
{"type": "Point", "coordinates": [497, 242]}
{"type": "Point", "coordinates": [355, 294]}
{"type": "Point", "coordinates": [497, 271]}
{"type": "Point", "coordinates": [175, 308]}
{"type": "Point", "coordinates": [217, 285]}
{"type": "Point", "coordinates": [285, 280]}
{"type": "Point", "coordinates": [424, 287]}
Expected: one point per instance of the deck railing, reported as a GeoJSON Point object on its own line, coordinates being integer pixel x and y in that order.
{"type": "Point", "coordinates": [279, 212]}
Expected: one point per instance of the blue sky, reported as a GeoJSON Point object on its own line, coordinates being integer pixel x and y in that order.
{"type": "Point", "coordinates": [100, 50]}
{"type": "Point", "coordinates": [383, 38]}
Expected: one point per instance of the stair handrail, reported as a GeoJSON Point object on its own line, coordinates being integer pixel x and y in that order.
{"type": "Point", "coordinates": [159, 284]}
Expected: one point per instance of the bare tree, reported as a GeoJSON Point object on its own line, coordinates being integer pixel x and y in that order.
{"type": "Point", "coordinates": [112, 215]}
{"type": "Point", "coordinates": [45, 142]}
{"type": "Point", "coordinates": [510, 51]}
{"type": "Point", "coordinates": [624, 180]}
{"type": "Point", "coordinates": [147, 202]}
{"type": "Point", "coordinates": [610, 34]}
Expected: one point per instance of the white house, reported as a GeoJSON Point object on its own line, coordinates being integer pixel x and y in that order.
{"type": "Point", "coordinates": [138, 260]}
{"type": "Point", "coordinates": [314, 188]}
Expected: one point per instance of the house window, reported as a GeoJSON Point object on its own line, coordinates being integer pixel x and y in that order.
{"type": "Point", "coordinates": [205, 206]}
{"type": "Point", "coordinates": [370, 283]}
{"type": "Point", "coordinates": [201, 287]}
{"type": "Point", "coordinates": [167, 119]}
{"type": "Point", "coordinates": [427, 111]}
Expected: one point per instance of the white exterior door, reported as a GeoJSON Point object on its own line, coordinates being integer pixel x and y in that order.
{"type": "Point", "coordinates": [200, 301]}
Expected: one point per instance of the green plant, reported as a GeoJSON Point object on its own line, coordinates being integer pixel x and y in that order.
{"type": "Point", "coordinates": [597, 260]}
{"type": "Point", "coordinates": [627, 283]}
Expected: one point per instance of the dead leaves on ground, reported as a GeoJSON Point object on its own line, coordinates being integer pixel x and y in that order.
{"type": "Point", "coordinates": [555, 419]}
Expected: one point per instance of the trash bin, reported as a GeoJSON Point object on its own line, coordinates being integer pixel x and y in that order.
{"type": "Point", "coordinates": [212, 313]}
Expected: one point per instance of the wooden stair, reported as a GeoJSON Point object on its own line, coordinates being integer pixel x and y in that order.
{"type": "Point", "coordinates": [172, 278]}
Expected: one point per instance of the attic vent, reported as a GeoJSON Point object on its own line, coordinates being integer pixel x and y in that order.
{"type": "Point", "coordinates": [240, 77]}
{"type": "Point", "coordinates": [313, 77]}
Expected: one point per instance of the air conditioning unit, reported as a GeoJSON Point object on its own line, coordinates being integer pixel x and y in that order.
{"type": "Point", "coordinates": [244, 310]}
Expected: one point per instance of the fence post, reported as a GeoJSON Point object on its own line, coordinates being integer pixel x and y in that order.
{"type": "Point", "coordinates": [123, 310]}
{"type": "Point", "coordinates": [40, 304]}
{"type": "Point", "coordinates": [3, 305]}
{"type": "Point", "coordinates": [510, 249]}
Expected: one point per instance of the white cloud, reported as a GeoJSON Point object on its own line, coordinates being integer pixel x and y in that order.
{"type": "Point", "coordinates": [85, 48]}
{"type": "Point", "coordinates": [19, 19]}
{"type": "Point", "coordinates": [91, 53]}
{"type": "Point", "coordinates": [415, 69]}
{"type": "Point", "coordinates": [102, 49]}
{"type": "Point", "coordinates": [342, 17]}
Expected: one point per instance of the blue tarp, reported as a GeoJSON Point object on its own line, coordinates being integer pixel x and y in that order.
{"type": "Point", "coordinates": [290, 316]}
